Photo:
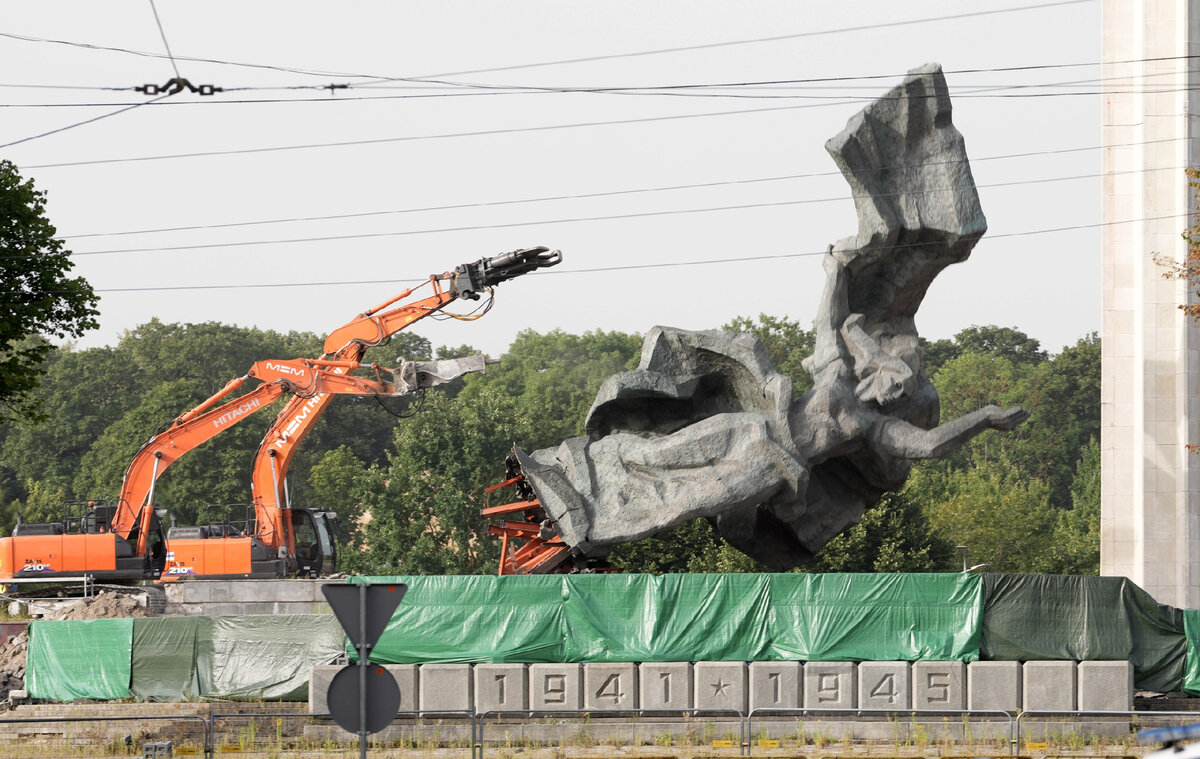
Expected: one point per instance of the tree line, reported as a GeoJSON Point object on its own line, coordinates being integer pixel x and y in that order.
{"type": "Point", "coordinates": [408, 475]}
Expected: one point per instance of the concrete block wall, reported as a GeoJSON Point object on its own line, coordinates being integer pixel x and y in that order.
{"type": "Point", "coordinates": [922, 686]}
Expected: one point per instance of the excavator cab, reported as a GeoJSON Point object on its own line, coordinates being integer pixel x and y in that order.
{"type": "Point", "coordinates": [316, 551]}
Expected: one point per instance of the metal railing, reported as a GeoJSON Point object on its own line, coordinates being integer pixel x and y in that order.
{"type": "Point", "coordinates": [914, 714]}
{"type": "Point", "coordinates": [205, 725]}
{"type": "Point", "coordinates": [477, 723]}
{"type": "Point", "coordinates": [465, 715]}
{"type": "Point", "coordinates": [1075, 714]}
{"type": "Point", "coordinates": [477, 742]}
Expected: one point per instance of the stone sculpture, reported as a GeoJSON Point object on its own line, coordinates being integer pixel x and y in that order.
{"type": "Point", "coordinates": [706, 427]}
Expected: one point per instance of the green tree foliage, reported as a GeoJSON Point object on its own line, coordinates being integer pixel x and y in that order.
{"type": "Point", "coordinates": [894, 536]}
{"type": "Point", "coordinates": [990, 340]}
{"type": "Point", "coordinates": [39, 300]}
{"type": "Point", "coordinates": [554, 378]}
{"type": "Point", "coordinates": [787, 343]}
{"type": "Point", "coordinates": [424, 502]}
{"type": "Point", "coordinates": [102, 404]}
{"type": "Point", "coordinates": [1001, 515]}
{"type": "Point", "coordinates": [1076, 547]}
{"type": "Point", "coordinates": [410, 490]}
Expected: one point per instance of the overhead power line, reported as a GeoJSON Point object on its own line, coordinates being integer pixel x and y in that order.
{"type": "Point", "coordinates": [80, 123]}
{"type": "Point", "coordinates": [417, 138]}
{"type": "Point", "coordinates": [832, 99]}
{"type": "Point", "coordinates": [541, 64]}
{"type": "Point", "coordinates": [751, 41]}
{"type": "Point", "coordinates": [662, 265]}
{"type": "Point", "coordinates": [553, 198]}
{"type": "Point", "coordinates": [539, 222]}
{"type": "Point", "coordinates": [166, 45]}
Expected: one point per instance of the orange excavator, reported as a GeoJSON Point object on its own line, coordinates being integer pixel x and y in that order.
{"type": "Point", "coordinates": [123, 542]}
{"type": "Point", "coordinates": [298, 537]}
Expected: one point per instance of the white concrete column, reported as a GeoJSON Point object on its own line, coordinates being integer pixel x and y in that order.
{"type": "Point", "coordinates": [1150, 405]}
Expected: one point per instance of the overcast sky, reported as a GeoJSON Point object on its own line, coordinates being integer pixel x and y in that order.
{"type": "Point", "coordinates": [444, 167]}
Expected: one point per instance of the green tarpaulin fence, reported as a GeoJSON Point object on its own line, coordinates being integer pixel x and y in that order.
{"type": "Point", "coordinates": [73, 659]}
{"type": "Point", "coordinates": [709, 617]}
{"type": "Point", "coordinates": [180, 658]}
{"type": "Point", "coordinates": [164, 658]}
{"type": "Point", "coordinates": [1191, 672]}
{"type": "Point", "coordinates": [1084, 619]}
{"type": "Point", "coordinates": [610, 618]}
{"type": "Point", "coordinates": [265, 656]}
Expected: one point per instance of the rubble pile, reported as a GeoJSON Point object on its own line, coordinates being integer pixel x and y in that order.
{"type": "Point", "coordinates": [103, 605]}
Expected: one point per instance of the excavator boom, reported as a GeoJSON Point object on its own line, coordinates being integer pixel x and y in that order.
{"type": "Point", "coordinates": [349, 343]}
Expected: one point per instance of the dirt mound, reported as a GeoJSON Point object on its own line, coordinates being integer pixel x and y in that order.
{"type": "Point", "coordinates": [103, 605]}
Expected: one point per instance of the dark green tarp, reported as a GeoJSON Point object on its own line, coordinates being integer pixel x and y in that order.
{"type": "Point", "coordinates": [164, 658]}
{"type": "Point", "coordinates": [70, 659]}
{"type": "Point", "coordinates": [265, 656]}
{"type": "Point", "coordinates": [1084, 619]}
{"type": "Point", "coordinates": [713, 617]}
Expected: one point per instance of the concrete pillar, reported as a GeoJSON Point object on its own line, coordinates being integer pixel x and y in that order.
{"type": "Point", "coordinates": [1150, 483]}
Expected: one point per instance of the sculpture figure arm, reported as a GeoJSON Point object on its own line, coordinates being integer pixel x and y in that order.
{"type": "Point", "coordinates": [898, 438]}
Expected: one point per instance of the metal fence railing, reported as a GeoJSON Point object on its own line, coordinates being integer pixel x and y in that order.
{"type": "Point", "coordinates": [267, 729]}
{"type": "Point", "coordinates": [912, 716]}
{"type": "Point", "coordinates": [411, 719]}
{"type": "Point", "coordinates": [478, 743]}
{"type": "Point", "coordinates": [1130, 718]}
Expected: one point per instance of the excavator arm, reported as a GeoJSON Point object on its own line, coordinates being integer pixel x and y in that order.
{"type": "Point", "coordinates": [349, 343]}
{"type": "Point", "coordinates": [302, 378]}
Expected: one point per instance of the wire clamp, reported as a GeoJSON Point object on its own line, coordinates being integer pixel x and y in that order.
{"type": "Point", "coordinates": [177, 85]}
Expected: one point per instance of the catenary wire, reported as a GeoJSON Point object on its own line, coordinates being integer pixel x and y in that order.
{"type": "Point", "coordinates": [501, 225]}
{"type": "Point", "coordinates": [80, 123]}
{"type": "Point", "coordinates": [613, 56]}
{"type": "Point", "coordinates": [757, 40]}
{"type": "Point", "coordinates": [463, 228]}
{"type": "Point", "coordinates": [577, 196]}
{"type": "Point", "coordinates": [667, 264]}
{"type": "Point", "coordinates": [416, 138]}
{"type": "Point", "coordinates": [166, 45]}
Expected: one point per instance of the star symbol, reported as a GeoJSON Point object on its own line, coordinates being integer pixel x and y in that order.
{"type": "Point", "coordinates": [719, 687]}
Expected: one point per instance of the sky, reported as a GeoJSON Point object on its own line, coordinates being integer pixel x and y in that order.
{"type": "Point", "coordinates": [674, 152]}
